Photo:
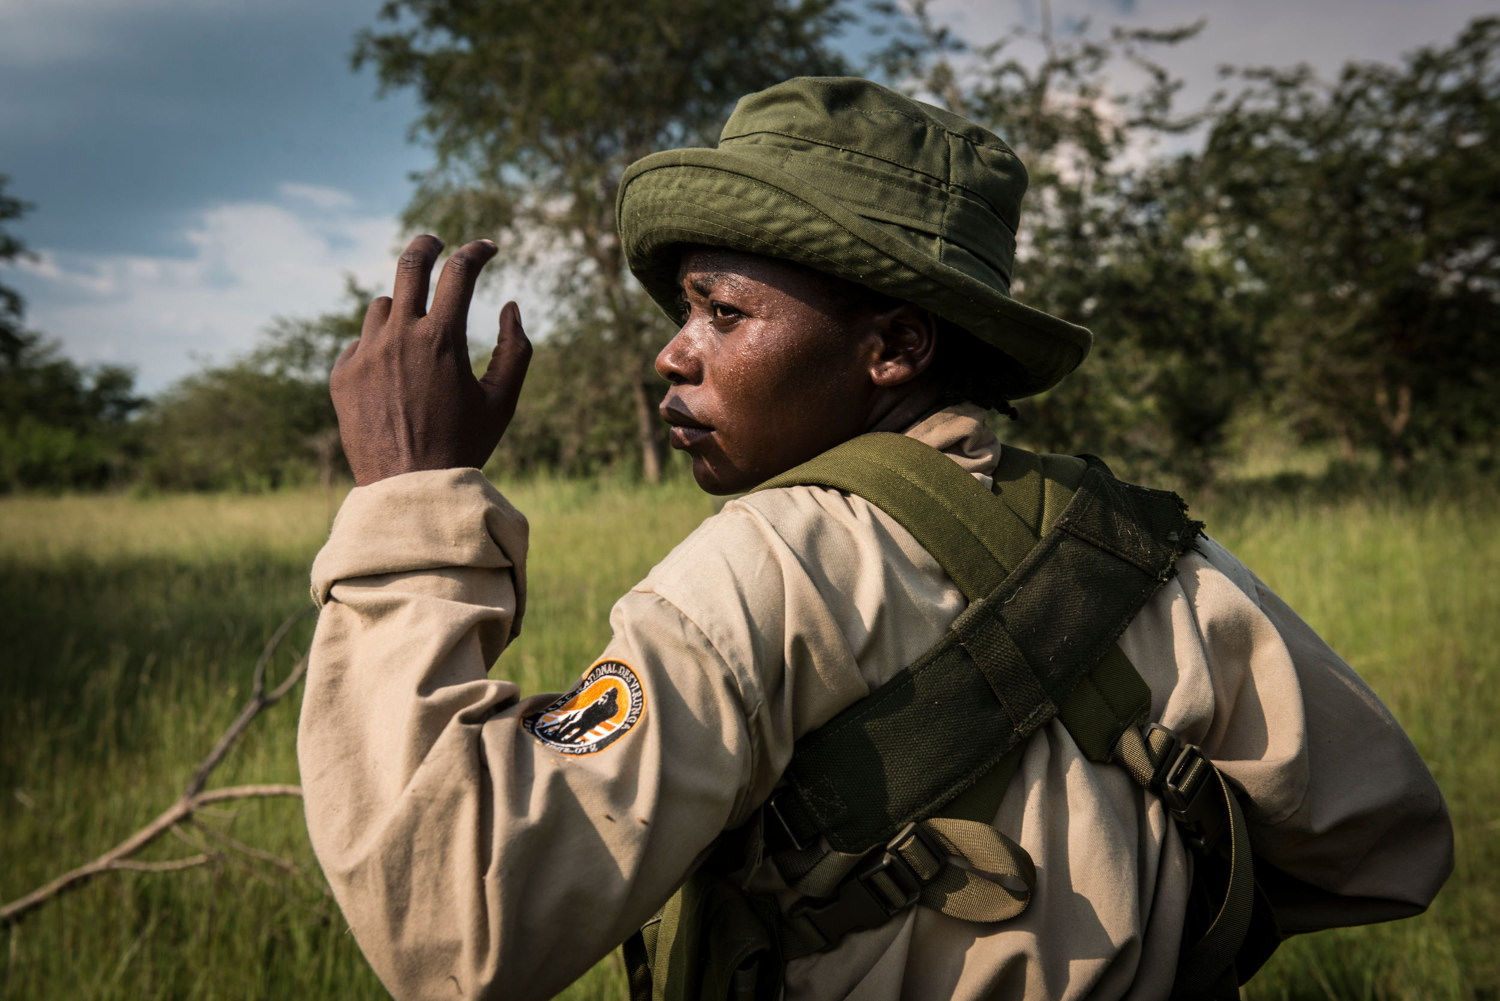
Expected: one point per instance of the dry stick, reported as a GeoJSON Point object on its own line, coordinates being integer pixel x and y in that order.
{"type": "Point", "coordinates": [287, 865]}
{"type": "Point", "coordinates": [193, 796]}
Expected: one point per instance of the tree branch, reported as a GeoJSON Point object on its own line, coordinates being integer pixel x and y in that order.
{"type": "Point", "coordinates": [193, 797]}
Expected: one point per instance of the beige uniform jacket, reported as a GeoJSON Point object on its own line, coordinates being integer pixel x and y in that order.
{"type": "Point", "coordinates": [486, 843]}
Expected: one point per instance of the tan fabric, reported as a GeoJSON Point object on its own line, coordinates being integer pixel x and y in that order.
{"type": "Point", "coordinates": [473, 860]}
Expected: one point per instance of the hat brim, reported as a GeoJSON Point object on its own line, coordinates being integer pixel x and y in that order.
{"type": "Point", "coordinates": [720, 198]}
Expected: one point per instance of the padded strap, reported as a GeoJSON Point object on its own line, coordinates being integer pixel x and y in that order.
{"type": "Point", "coordinates": [976, 541]}
{"type": "Point", "coordinates": [1009, 661]}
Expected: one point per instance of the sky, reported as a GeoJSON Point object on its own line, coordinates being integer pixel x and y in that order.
{"type": "Point", "coordinates": [200, 167]}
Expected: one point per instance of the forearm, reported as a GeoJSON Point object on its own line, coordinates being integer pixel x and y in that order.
{"type": "Point", "coordinates": [421, 584]}
{"type": "Point", "coordinates": [471, 856]}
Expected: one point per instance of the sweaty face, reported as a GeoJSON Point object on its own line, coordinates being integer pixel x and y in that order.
{"type": "Point", "coordinates": [770, 368]}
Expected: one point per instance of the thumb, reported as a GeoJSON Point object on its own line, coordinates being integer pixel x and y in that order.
{"type": "Point", "coordinates": [506, 372]}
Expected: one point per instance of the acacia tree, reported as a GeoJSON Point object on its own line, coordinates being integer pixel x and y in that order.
{"type": "Point", "coordinates": [533, 109]}
{"type": "Point", "coordinates": [1108, 235]}
{"type": "Point", "coordinates": [1369, 206]}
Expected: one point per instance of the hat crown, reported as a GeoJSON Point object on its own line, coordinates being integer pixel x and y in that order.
{"type": "Point", "coordinates": [852, 179]}
{"type": "Point", "coordinates": [953, 188]}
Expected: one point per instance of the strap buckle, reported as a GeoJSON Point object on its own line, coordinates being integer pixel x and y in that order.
{"type": "Point", "coordinates": [1189, 787]}
{"type": "Point", "coordinates": [884, 885]}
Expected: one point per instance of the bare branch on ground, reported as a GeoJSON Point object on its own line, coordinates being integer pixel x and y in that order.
{"type": "Point", "coordinates": [193, 797]}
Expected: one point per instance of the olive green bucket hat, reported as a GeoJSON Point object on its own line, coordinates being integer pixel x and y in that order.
{"type": "Point", "coordinates": [855, 180]}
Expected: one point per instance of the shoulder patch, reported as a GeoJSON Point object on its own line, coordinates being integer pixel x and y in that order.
{"type": "Point", "coordinates": [599, 710]}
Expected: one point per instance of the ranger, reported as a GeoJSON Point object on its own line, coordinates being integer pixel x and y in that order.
{"type": "Point", "coordinates": [840, 266]}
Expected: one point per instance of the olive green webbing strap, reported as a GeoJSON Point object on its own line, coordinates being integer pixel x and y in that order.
{"type": "Point", "coordinates": [1101, 712]}
{"type": "Point", "coordinates": [1208, 816]}
{"type": "Point", "coordinates": [974, 540]}
{"type": "Point", "coordinates": [710, 942]}
{"type": "Point", "coordinates": [1010, 659]}
{"type": "Point", "coordinates": [978, 542]}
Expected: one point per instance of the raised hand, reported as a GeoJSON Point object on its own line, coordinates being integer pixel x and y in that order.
{"type": "Point", "coordinates": [405, 394]}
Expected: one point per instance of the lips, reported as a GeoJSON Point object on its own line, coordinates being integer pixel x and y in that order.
{"type": "Point", "coordinates": [687, 430]}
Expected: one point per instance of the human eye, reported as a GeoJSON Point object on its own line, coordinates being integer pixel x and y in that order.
{"type": "Point", "coordinates": [723, 313]}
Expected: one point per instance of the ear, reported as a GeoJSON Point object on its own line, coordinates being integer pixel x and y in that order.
{"type": "Point", "coordinates": [907, 343]}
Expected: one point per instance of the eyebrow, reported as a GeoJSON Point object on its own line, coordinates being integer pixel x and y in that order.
{"type": "Point", "coordinates": [706, 283]}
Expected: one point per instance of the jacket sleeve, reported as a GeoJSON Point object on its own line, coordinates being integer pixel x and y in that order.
{"type": "Point", "coordinates": [486, 844]}
{"type": "Point", "coordinates": [1348, 822]}
{"type": "Point", "coordinates": [472, 857]}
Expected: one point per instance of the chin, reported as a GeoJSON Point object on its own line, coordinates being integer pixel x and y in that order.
{"type": "Point", "coordinates": [720, 482]}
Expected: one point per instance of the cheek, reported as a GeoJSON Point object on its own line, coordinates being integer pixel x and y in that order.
{"type": "Point", "coordinates": [795, 400]}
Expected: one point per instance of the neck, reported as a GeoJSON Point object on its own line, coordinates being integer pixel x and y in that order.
{"type": "Point", "coordinates": [900, 413]}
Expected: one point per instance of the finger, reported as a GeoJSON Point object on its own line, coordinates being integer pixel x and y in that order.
{"type": "Point", "coordinates": [376, 314]}
{"type": "Point", "coordinates": [503, 378]}
{"type": "Point", "coordinates": [338, 375]}
{"type": "Point", "coordinates": [450, 303]}
{"type": "Point", "coordinates": [412, 272]}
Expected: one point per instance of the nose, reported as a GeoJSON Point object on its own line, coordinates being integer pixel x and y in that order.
{"type": "Point", "coordinates": [678, 362]}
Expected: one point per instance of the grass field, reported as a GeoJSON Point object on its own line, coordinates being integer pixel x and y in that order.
{"type": "Point", "coordinates": [129, 628]}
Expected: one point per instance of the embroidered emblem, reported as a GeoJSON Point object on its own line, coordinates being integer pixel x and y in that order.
{"type": "Point", "coordinates": [599, 710]}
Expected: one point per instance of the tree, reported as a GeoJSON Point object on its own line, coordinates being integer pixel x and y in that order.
{"type": "Point", "coordinates": [1368, 207]}
{"type": "Point", "coordinates": [534, 108]}
{"type": "Point", "coordinates": [61, 425]}
{"type": "Point", "coordinates": [12, 308]}
{"type": "Point", "coordinates": [1110, 238]}
{"type": "Point", "coordinates": [262, 421]}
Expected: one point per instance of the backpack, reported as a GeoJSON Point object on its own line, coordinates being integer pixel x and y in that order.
{"type": "Point", "coordinates": [879, 810]}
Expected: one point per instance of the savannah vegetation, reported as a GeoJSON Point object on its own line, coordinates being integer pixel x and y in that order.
{"type": "Point", "coordinates": [1314, 255]}
{"type": "Point", "coordinates": [1294, 291]}
{"type": "Point", "coordinates": [133, 624]}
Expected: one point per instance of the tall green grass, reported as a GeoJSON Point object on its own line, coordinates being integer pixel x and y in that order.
{"type": "Point", "coordinates": [1409, 593]}
{"type": "Point", "coordinates": [129, 628]}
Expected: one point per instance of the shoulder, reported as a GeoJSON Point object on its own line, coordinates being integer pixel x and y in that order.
{"type": "Point", "coordinates": [759, 542]}
{"type": "Point", "coordinates": [812, 597]}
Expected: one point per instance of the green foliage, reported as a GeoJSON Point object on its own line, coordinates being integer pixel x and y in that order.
{"type": "Point", "coordinates": [11, 247]}
{"type": "Point", "coordinates": [235, 427]}
{"type": "Point", "coordinates": [1366, 208]}
{"type": "Point", "coordinates": [1110, 238]}
{"type": "Point", "coordinates": [534, 108]}
{"type": "Point", "coordinates": [261, 422]}
{"type": "Point", "coordinates": [61, 425]}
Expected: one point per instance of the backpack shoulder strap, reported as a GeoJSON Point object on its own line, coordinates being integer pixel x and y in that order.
{"type": "Point", "coordinates": [1042, 614]}
{"type": "Point", "coordinates": [879, 802]}
{"type": "Point", "coordinates": [975, 540]}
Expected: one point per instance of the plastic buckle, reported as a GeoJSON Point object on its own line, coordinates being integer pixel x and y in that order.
{"type": "Point", "coordinates": [865, 899]}
{"type": "Point", "coordinates": [1188, 787]}
{"type": "Point", "coordinates": [901, 876]}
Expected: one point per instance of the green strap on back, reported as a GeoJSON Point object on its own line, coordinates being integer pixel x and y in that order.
{"type": "Point", "coordinates": [1014, 658]}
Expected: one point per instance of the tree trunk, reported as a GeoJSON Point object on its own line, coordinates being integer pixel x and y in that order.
{"type": "Point", "coordinates": [647, 424]}
{"type": "Point", "coordinates": [1395, 418]}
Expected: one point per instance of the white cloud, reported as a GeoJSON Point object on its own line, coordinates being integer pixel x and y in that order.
{"type": "Point", "coordinates": [249, 262]}
{"type": "Point", "coordinates": [317, 195]}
